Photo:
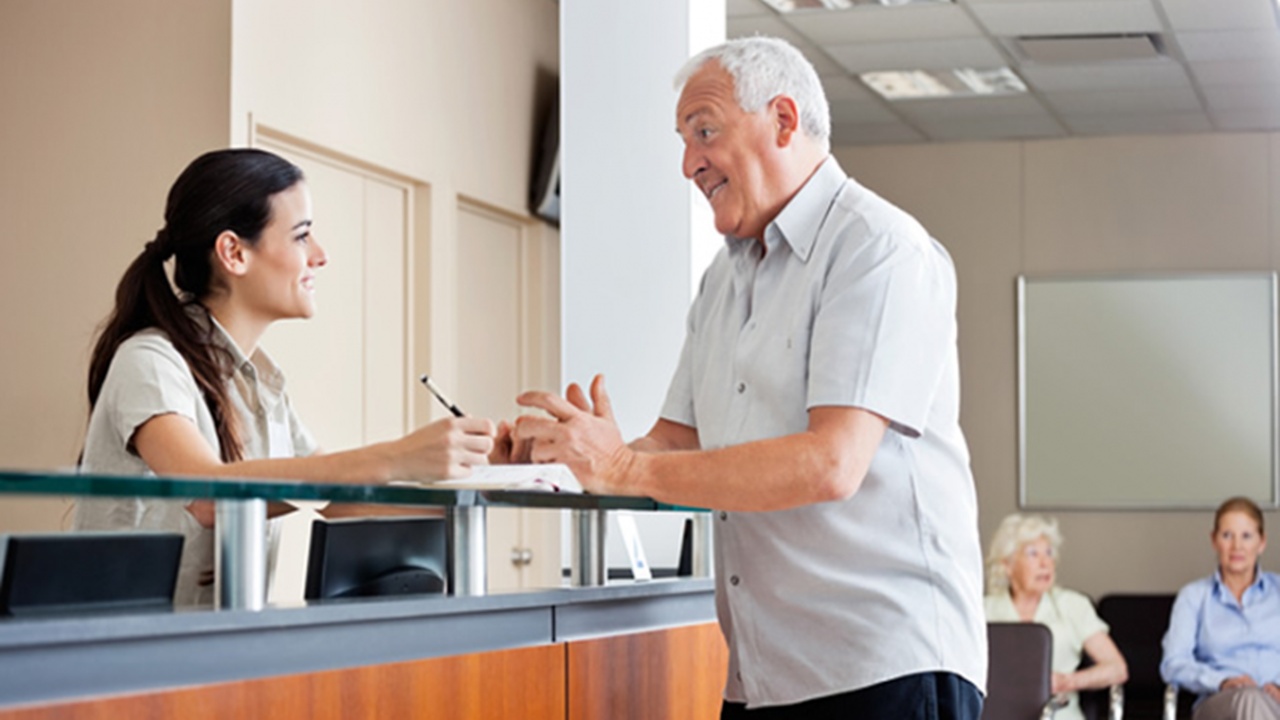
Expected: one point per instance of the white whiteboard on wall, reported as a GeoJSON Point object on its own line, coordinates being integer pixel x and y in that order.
{"type": "Point", "coordinates": [1147, 392]}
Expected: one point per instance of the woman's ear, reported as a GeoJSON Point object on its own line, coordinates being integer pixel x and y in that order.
{"type": "Point", "coordinates": [231, 253]}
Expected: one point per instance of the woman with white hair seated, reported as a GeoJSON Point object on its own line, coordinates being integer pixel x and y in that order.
{"type": "Point", "coordinates": [1021, 576]}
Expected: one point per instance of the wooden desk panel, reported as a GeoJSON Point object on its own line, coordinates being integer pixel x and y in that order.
{"type": "Point", "coordinates": [521, 683]}
{"type": "Point", "coordinates": [675, 674]}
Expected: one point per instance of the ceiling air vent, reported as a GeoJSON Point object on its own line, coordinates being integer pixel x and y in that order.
{"type": "Point", "coordinates": [1089, 49]}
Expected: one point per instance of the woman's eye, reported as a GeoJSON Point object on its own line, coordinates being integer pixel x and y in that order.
{"type": "Point", "coordinates": [304, 237]}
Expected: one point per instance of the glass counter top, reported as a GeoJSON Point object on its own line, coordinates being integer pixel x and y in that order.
{"type": "Point", "coordinates": [24, 482]}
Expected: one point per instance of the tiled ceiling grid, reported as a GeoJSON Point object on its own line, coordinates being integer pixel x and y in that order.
{"type": "Point", "coordinates": [1218, 68]}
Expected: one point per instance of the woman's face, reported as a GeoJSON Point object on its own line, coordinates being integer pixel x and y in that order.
{"type": "Point", "coordinates": [1239, 543]}
{"type": "Point", "coordinates": [280, 278]}
{"type": "Point", "coordinates": [1032, 568]}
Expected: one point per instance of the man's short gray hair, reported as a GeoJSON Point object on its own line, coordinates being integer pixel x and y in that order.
{"type": "Point", "coordinates": [764, 68]}
{"type": "Point", "coordinates": [1014, 532]}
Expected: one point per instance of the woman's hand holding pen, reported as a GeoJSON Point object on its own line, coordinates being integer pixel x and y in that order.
{"type": "Point", "coordinates": [446, 448]}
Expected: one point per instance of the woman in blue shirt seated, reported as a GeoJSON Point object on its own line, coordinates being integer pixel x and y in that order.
{"type": "Point", "coordinates": [1223, 641]}
{"type": "Point", "coordinates": [1022, 587]}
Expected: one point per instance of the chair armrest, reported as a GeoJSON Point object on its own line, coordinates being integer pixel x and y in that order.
{"type": "Point", "coordinates": [1055, 703]}
{"type": "Point", "coordinates": [1170, 702]}
{"type": "Point", "coordinates": [1115, 702]}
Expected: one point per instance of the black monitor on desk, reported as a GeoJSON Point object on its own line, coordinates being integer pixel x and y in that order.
{"type": "Point", "coordinates": [79, 573]}
{"type": "Point", "coordinates": [367, 557]}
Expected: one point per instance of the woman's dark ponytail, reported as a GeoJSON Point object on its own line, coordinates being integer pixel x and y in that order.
{"type": "Point", "coordinates": [219, 191]}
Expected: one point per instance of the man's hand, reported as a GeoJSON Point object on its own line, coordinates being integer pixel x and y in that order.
{"type": "Point", "coordinates": [580, 433]}
{"type": "Point", "coordinates": [507, 450]}
{"type": "Point", "coordinates": [1062, 683]}
{"type": "Point", "coordinates": [1272, 690]}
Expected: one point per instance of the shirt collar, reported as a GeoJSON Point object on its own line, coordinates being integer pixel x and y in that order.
{"type": "Point", "coordinates": [259, 365]}
{"type": "Point", "coordinates": [801, 219]}
{"type": "Point", "coordinates": [1260, 581]}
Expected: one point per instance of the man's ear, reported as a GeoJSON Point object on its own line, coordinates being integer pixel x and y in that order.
{"type": "Point", "coordinates": [231, 253]}
{"type": "Point", "coordinates": [786, 118]}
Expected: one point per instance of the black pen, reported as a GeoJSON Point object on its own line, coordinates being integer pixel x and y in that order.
{"type": "Point", "coordinates": [457, 411]}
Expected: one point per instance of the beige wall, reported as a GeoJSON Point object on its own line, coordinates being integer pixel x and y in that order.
{"type": "Point", "coordinates": [1127, 204]}
{"type": "Point", "coordinates": [104, 103]}
{"type": "Point", "coordinates": [445, 92]}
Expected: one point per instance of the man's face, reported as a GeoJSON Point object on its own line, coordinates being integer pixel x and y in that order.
{"type": "Point", "coordinates": [727, 152]}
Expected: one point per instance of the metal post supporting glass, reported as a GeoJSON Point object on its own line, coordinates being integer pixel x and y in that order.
{"type": "Point", "coordinates": [241, 554]}
{"type": "Point", "coordinates": [703, 563]}
{"type": "Point", "coordinates": [588, 535]}
{"type": "Point", "coordinates": [467, 533]}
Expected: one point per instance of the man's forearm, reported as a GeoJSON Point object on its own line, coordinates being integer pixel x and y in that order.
{"type": "Point", "coordinates": [824, 463]}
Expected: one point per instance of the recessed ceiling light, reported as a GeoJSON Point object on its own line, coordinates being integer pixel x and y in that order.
{"type": "Point", "coordinates": [960, 82]}
{"type": "Point", "coordinates": [787, 6]}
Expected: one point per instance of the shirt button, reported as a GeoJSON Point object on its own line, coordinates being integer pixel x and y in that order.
{"type": "Point", "coordinates": [742, 387]}
{"type": "Point", "coordinates": [724, 515]}
{"type": "Point", "coordinates": [733, 580]}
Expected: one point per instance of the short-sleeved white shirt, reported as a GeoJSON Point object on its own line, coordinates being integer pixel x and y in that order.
{"type": "Point", "coordinates": [148, 378]}
{"type": "Point", "coordinates": [1071, 620]}
{"type": "Point", "coordinates": [853, 304]}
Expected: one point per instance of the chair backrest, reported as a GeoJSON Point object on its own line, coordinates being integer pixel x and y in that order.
{"type": "Point", "coordinates": [1019, 671]}
{"type": "Point", "coordinates": [1138, 624]}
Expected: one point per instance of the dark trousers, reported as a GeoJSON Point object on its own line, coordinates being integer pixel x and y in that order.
{"type": "Point", "coordinates": [926, 696]}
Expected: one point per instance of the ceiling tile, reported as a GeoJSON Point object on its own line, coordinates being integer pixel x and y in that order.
{"type": "Point", "coordinates": [1136, 101]}
{"type": "Point", "coordinates": [972, 108]}
{"type": "Point", "coordinates": [1230, 45]}
{"type": "Point", "coordinates": [860, 112]}
{"type": "Point", "coordinates": [1242, 97]}
{"type": "Point", "coordinates": [884, 24]}
{"type": "Point", "coordinates": [1248, 120]}
{"type": "Point", "coordinates": [742, 8]}
{"type": "Point", "coordinates": [1187, 15]}
{"type": "Point", "coordinates": [773, 27]}
{"type": "Point", "coordinates": [991, 128]}
{"type": "Point", "coordinates": [843, 87]}
{"type": "Point", "coordinates": [876, 134]}
{"type": "Point", "coordinates": [1111, 76]}
{"type": "Point", "coordinates": [917, 54]}
{"type": "Point", "coordinates": [1237, 72]}
{"type": "Point", "coordinates": [1055, 17]}
{"type": "Point", "coordinates": [1138, 124]}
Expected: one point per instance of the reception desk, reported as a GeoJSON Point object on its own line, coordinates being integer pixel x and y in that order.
{"type": "Point", "coordinates": [564, 653]}
{"type": "Point", "coordinates": [642, 650]}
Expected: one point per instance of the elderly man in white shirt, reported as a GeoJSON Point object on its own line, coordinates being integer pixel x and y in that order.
{"type": "Point", "coordinates": [816, 408]}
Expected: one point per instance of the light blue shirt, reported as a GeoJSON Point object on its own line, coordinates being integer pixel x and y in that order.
{"type": "Point", "coordinates": [852, 305]}
{"type": "Point", "coordinates": [1213, 637]}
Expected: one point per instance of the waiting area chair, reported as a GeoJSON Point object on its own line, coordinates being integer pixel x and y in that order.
{"type": "Point", "coordinates": [1138, 624]}
{"type": "Point", "coordinates": [1019, 672]}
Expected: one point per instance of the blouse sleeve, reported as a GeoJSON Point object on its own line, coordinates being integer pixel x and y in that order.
{"type": "Point", "coordinates": [147, 378]}
{"type": "Point", "coordinates": [1179, 664]}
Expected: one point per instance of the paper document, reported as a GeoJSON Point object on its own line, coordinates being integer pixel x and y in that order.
{"type": "Point", "coordinates": [551, 477]}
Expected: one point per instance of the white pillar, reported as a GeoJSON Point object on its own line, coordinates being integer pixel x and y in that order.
{"type": "Point", "coordinates": [629, 218]}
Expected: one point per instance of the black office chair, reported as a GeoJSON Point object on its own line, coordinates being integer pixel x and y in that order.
{"type": "Point", "coordinates": [1138, 624]}
{"type": "Point", "coordinates": [1019, 672]}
